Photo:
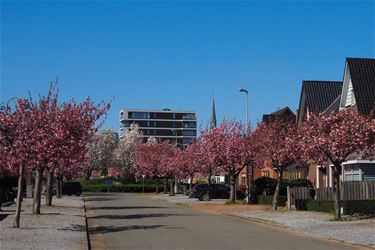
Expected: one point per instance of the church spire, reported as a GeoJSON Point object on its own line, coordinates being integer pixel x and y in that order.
{"type": "Point", "coordinates": [213, 114]}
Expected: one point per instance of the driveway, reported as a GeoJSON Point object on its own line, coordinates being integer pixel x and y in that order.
{"type": "Point", "coordinates": [131, 221]}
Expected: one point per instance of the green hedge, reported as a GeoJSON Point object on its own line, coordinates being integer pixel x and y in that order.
{"type": "Point", "coordinates": [362, 207]}
{"type": "Point", "coordinates": [269, 198]}
{"type": "Point", "coordinates": [315, 205]}
{"type": "Point", "coordinates": [118, 187]}
{"type": "Point", "coordinates": [350, 207]}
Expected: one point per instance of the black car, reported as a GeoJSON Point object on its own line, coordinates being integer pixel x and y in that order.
{"type": "Point", "coordinates": [70, 188]}
{"type": "Point", "coordinates": [217, 191]}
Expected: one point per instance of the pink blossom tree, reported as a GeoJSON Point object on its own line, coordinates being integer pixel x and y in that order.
{"type": "Point", "coordinates": [276, 144]}
{"type": "Point", "coordinates": [332, 139]}
{"type": "Point", "coordinates": [148, 160]}
{"type": "Point", "coordinates": [227, 149]}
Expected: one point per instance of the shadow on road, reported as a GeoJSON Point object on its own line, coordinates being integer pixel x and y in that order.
{"type": "Point", "coordinates": [136, 216]}
{"type": "Point", "coordinates": [111, 229]}
{"type": "Point", "coordinates": [134, 207]}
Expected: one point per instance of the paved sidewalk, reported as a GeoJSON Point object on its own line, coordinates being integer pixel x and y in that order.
{"type": "Point", "coordinates": [61, 226]}
{"type": "Point", "coordinates": [359, 231]}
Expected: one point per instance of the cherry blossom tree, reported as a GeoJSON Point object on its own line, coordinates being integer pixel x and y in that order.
{"type": "Point", "coordinates": [226, 148]}
{"type": "Point", "coordinates": [100, 152]}
{"type": "Point", "coordinates": [125, 151]}
{"type": "Point", "coordinates": [149, 160]}
{"type": "Point", "coordinates": [190, 161]}
{"type": "Point", "coordinates": [277, 144]}
{"type": "Point", "coordinates": [332, 139]}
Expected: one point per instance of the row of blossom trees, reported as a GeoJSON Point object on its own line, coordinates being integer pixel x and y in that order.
{"type": "Point", "coordinates": [323, 140]}
{"type": "Point", "coordinates": [46, 138]}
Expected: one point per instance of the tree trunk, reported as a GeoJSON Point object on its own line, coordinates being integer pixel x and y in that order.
{"type": "Point", "coordinates": [49, 190]}
{"type": "Point", "coordinates": [191, 183]}
{"type": "Point", "coordinates": [37, 192]}
{"type": "Point", "coordinates": [166, 185]}
{"type": "Point", "coordinates": [209, 184]}
{"type": "Point", "coordinates": [16, 221]}
{"type": "Point", "coordinates": [232, 196]}
{"type": "Point", "coordinates": [157, 185]}
{"type": "Point", "coordinates": [171, 191]}
{"type": "Point", "coordinates": [88, 173]}
{"type": "Point", "coordinates": [59, 187]}
{"type": "Point", "coordinates": [336, 190]}
{"type": "Point", "coordinates": [277, 191]}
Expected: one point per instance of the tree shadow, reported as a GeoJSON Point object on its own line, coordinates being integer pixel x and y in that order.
{"type": "Point", "coordinates": [100, 198]}
{"type": "Point", "coordinates": [112, 229]}
{"type": "Point", "coordinates": [127, 207]}
{"type": "Point", "coordinates": [76, 228]}
{"type": "Point", "coordinates": [137, 216]}
{"type": "Point", "coordinates": [3, 216]}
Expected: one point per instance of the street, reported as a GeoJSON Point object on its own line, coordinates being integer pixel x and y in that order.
{"type": "Point", "coordinates": [131, 221]}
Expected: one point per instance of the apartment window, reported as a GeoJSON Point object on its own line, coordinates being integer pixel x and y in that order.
{"type": "Point", "coordinates": [190, 116]}
{"type": "Point", "coordinates": [139, 115]}
{"type": "Point", "coordinates": [189, 125]}
{"type": "Point", "coordinates": [189, 132]}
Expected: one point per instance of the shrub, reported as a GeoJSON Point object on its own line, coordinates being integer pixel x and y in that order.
{"type": "Point", "coordinates": [350, 207]}
{"type": "Point", "coordinates": [300, 183]}
{"type": "Point", "coordinates": [361, 207]}
{"type": "Point", "coordinates": [315, 205]}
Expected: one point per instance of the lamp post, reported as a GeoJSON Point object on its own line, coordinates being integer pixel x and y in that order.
{"type": "Point", "coordinates": [248, 170]}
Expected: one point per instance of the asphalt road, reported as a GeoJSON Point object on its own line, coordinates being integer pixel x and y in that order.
{"type": "Point", "coordinates": [132, 221]}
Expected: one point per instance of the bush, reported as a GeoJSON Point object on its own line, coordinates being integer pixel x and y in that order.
{"type": "Point", "coordinates": [268, 185]}
{"type": "Point", "coordinates": [300, 183]}
{"type": "Point", "coordinates": [315, 205]}
{"type": "Point", "coordinates": [361, 207]}
{"type": "Point", "coordinates": [269, 198]}
{"type": "Point", "coordinates": [350, 207]}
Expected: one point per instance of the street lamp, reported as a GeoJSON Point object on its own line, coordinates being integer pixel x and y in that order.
{"type": "Point", "coordinates": [248, 170]}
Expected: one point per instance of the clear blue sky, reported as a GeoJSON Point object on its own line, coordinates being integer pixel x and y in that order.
{"type": "Point", "coordinates": [174, 54]}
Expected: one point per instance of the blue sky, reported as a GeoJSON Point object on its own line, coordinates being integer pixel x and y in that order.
{"type": "Point", "coordinates": [175, 54]}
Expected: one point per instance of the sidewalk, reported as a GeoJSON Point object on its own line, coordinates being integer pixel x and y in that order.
{"type": "Point", "coordinates": [358, 231]}
{"type": "Point", "coordinates": [61, 226]}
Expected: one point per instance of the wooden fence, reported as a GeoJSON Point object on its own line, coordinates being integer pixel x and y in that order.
{"type": "Point", "coordinates": [350, 190]}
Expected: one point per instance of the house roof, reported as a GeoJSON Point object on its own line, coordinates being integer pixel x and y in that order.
{"type": "Point", "coordinates": [335, 105]}
{"type": "Point", "coordinates": [284, 114]}
{"type": "Point", "coordinates": [362, 74]}
{"type": "Point", "coordinates": [320, 94]}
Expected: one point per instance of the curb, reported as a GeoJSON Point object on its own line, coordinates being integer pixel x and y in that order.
{"type": "Point", "coordinates": [281, 226]}
{"type": "Point", "coordinates": [87, 225]}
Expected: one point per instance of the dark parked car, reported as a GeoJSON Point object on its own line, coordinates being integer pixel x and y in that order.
{"type": "Point", "coordinates": [70, 188]}
{"type": "Point", "coordinates": [218, 191]}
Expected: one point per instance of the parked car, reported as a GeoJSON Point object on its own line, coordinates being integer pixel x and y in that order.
{"type": "Point", "coordinates": [217, 191]}
{"type": "Point", "coordinates": [70, 188]}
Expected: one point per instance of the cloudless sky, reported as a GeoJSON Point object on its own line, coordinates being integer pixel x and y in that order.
{"type": "Point", "coordinates": [176, 54]}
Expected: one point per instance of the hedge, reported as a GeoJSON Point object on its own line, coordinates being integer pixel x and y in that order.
{"type": "Point", "coordinates": [315, 205]}
{"type": "Point", "coordinates": [269, 198]}
{"type": "Point", "coordinates": [362, 207]}
{"type": "Point", "coordinates": [350, 207]}
{"type": "Point", "coordinates": [118, 187]}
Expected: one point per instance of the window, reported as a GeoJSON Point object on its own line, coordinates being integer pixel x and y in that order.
{"type": "Point", "coordinates": [189, 125]}
{"type": "Point", "coordinates": [243, 179]}
{"type": "Point", "coordinates": [189, 132]}
{"type": "Point", "coordinates": [189, 116]}
{"type": "Point", "coordinates": [139, 115]}
{"type": "Point", "coordinates": [266, 174]}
